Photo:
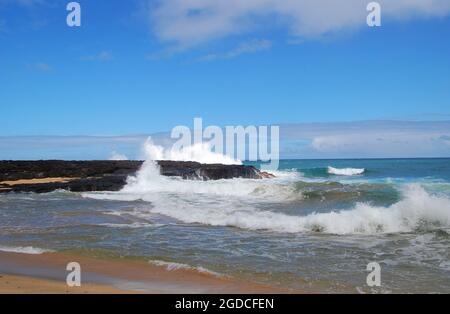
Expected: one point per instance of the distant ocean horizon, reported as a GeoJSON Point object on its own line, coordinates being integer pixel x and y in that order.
{"type": "Point", "coordinates": [255, 162]}
{"type": "Point", "coordinates": [332, 140]}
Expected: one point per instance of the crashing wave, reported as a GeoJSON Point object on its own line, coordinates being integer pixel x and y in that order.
{"type": "Point", "coordinates": [200, 152]}
{"type": "Point", "coordinates": [418, 210]}
{"type": "Point", "coordinates": [235, 203]}
{"type": "Point", "coordinates": [346, 171]}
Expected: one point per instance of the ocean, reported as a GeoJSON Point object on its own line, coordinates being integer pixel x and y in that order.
{"type": "Point", "coordinates": [315, 226]}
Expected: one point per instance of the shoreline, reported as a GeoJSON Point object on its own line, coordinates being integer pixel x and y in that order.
{"type": "Point", "coordinates": [46, 273]}
{"type": "Point", "coordinates": [43, 176]}
{"type": "Point", "coordinates": [14, 284]}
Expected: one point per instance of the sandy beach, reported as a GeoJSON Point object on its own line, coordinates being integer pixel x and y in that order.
{"type": "Point", "coordinates": [25, 285]}
{"type": "Point", "coordinates": [46, 273]}
{"type": "Point", "coordinates": [36, 181]}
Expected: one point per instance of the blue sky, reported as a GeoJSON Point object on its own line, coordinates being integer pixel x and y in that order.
{"type": "Point", "coordinates": [139, 67]}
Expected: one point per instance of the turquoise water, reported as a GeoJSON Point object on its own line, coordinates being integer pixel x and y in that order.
{"type": "Point", "coordinates": [404, 169]}
{"type": "Point", "coordinates": [307, 228]}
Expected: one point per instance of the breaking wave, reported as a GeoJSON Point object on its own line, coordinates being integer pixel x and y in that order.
{"type": "Point", "coordinates": [134, 225]}
{"type": "Point", "coordinates": [418, 210]}
{"type": "Point", "coordinates": [200, 152]}
{"type": "Point", "coordinates": [172, 266]}
{"type": "Point", "coordinates": [24, 249]}
{"type": "Point", "coordinates": [346, 171]}
{"type": "Point", "coordinates": [148, 180]}
{"type": "Point", "coordinates": [260, 204]}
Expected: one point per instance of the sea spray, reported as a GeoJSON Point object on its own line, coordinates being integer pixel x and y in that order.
{"type": "Point", "coordinates": [148, 178]}
{"type": "Point", "coordinates": [240, 203]}
{"type": "Point", "coordinates": [345, 171]}
{"type": "Point", "coordinates": [417, 210]}
{"type": "Point", "coordinates": [199, 152]}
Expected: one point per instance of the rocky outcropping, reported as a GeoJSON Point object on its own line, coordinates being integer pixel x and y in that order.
{"type": "Point", "coordinates": [84, 176]}
{"type": "Point", "coordinates": [197, 171]}
{"type": "Point", "coordinates": [20, 170]}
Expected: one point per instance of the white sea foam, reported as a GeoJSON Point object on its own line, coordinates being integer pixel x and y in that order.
{"type": "Point", "coordinates": [417, 210]}
{"type": "Point", "coordinates": [148, 180]}
{"type": "Point", "coordinates": [346, 171]}
{"type": "Point", "coordinates": [200, 152]}
{"type": "Point", "coordinates": [134, 225]}
{"type": "Point", "coordinates": [117, 156]}
{"type": "Point", "coordinates": [172, 266]}
{"type": "Point", "coordinates": [24, 249]}
{"type": "Point", "coordinates": [240, 203]}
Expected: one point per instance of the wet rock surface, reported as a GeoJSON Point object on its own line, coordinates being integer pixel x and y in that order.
{"type": "Point", "coordinates": [106, 175]}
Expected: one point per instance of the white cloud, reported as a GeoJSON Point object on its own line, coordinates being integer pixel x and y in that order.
{"type": "Point", "coordinates": [247, 47]}
{"type": "Point", "coordinates": [41, 66]}
{"type": "Point", "coordinates": [445, 139]}
{"type": "Point", "coordinates": [117, 156]}
{"type": "Point", "coordinates": [25, 3]}
{"type": "Point", "coordinates": [364, 139]}
{"type": "Point", "coordinates": [369, 139]}
{"type": "Point", "coordinates": [101, 56]}
{"type": "Point", "coordinates": [69, 147]}
{"type": "Point", "coordinates": [187, 23]}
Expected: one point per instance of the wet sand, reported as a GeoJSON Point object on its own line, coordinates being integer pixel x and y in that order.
{"type": "Point", "coordinates": [37, 181]}
{"type": "Point", "coordinates": [25, 285]}
{"type": "Point", "coordinates": [46, 273]}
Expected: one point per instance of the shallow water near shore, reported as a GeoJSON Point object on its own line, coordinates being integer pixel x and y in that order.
{"type": "Point", "coordinates": [311, 227]}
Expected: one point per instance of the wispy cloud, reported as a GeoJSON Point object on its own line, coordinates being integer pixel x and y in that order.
{"type": "Point", "coordinates": [41, 66]}
{"type": "Point", "coordinates": [367, 139]}
{"type": "Point", "coordinates": [35, 9]}
{"type": "Point", "coordinates": [30, 3]}
{"type": "Point", "coordinates": [363, 139]}
{"type": "Point", "coordinates": [248, 47]}
{"type": "Point", "coordinates": [70, 147]}
{"type": "Point", "coordinates": [189, 23]}
{"type": "Point", "coordinates": [101, 56]}
{"type": "Point", "coordinates": [25, 3]}
{"type": "Point", "coordinates": [3, 27]}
